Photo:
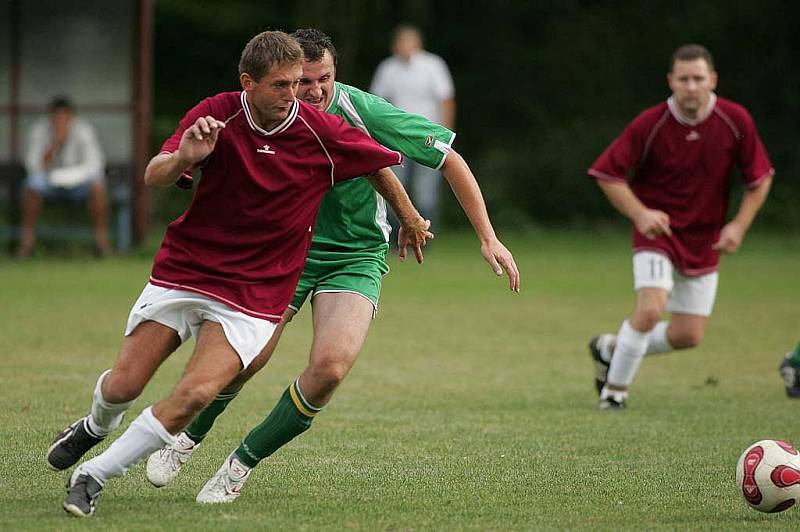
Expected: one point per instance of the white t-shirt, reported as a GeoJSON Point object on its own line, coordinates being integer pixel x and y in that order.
{"type": "Point", "coordinates": [79, 160]}
{"type": "Point", "coordinates": [418, 86]}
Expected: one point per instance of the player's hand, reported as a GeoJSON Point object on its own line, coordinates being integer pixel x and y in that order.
{"type": "Point", "coordinates": [60, 133]}
{"type": "Point", "coordinates": [500, 258]}
{"type": "Point", "coordinates": [652, 223]}
{"type": "Point", "coordinates": [730, 238]}
{"type": "Point", "coordinates": [199, 139]}
{"type": "Point", "coordinates": [414, 234]}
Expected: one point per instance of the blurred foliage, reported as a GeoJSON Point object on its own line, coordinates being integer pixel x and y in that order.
{"type": "Point", "coordinates": [542, 87]}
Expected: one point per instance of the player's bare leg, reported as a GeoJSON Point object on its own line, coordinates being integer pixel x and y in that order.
{"type": "Point", "coordinates": [685, 330]}
{"type": "Point", "coordinates": [143, 351]}
{"type": "Point", "coordinates": [341, 324]}
{"type": "Point", "coordinates": [141, 354]}
{"type": "Point", "coordinates": [166, 463]}
{"type": "Point", "coordinates": [213, 364]}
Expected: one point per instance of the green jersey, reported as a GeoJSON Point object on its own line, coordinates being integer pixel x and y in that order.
{"type": "Point", "coordinates": [352, 216]}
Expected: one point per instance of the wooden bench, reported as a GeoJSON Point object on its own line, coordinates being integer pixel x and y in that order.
{"type": "Point", "coordinates": [12, 176]}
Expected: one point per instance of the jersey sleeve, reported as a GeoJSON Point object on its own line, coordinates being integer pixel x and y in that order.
{"type": "Point", "coordinates": [414, 136]}
{"type": "Point", "coordinates": [204, 108]}
{"type": "Point", "coordinates": [353, 152]}
{"type": "Point", "coordinates": [622, 155]}
{"type": "Point", "coordinates": [752, 157]}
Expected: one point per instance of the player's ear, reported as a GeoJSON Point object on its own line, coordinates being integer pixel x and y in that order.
{"type": "Point", "coordinates": [713, 79]}
{"type": "Point", "coordinates": [246, 81]}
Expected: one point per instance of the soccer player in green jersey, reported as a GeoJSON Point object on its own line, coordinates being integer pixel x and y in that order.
{"type": "Point", "coordinates": [342, 273]}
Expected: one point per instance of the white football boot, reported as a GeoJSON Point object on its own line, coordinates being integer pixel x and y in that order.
{"type": "Point", "coordinates": [226, 483]}
{"type": "Point", "coordinates": [613, 399]}
{"type": "Point", "coordinates": [165, 464]}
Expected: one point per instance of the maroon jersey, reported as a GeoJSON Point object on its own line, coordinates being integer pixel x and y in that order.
{"type": "Point", "coordinates": [684, 168]}
{"type": "Point", "coordinates": [244, 238]}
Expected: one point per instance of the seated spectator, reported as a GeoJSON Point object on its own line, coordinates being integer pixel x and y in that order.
{"type": "Point", "coordinates": [63, 161]}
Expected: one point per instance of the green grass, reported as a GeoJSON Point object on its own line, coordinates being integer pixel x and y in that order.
{"type": "Point", "coordinates": [470, 407]}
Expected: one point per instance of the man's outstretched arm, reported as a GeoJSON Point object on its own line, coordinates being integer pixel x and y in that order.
{"type": "Point", "coordinates": [468, 193]}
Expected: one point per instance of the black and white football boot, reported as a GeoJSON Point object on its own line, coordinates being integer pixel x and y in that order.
{"type": "Point", "coordinates": [83, 490]}
{"type": "Point", "coordinates": [71, 444]}
{"type": "Point", "coordinates": [600, 365]}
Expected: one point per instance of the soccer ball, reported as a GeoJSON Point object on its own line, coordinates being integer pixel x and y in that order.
{"type": "Point", "coordinates": [768, 475]}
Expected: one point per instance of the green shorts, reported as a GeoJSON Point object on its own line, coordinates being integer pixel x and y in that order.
{"type": "Point", "coordinates": [356, 272]}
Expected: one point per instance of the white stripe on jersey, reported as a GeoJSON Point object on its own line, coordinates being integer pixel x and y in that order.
{"type": "Point", "coordinates": [347, 106]}
{"type": "Point", "coordinates": [277, 129]}
{"type": "Point", "coordinates": [381, 220]}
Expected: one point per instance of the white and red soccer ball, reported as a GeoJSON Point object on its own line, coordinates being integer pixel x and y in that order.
{"type": "Point", "coordinates": [768, 475]}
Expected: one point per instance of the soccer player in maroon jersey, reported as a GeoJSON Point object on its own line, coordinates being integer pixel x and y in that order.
{"type": "Point", "coordinates": [227, 268]}
{"type": "Point", "coordinates": [670, 173]}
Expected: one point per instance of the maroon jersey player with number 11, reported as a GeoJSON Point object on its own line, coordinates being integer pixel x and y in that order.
{"type": "Point", "coordinates": [670, 173]}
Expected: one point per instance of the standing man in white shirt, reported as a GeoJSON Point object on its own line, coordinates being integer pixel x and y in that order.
{"type": "Point", "coordinates": [419, 82]}
{"type": "Point", "coordinates": [63, 161]}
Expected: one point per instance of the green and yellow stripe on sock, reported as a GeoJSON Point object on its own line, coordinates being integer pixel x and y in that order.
{"type": "Point", "coordinates": [305, 408]}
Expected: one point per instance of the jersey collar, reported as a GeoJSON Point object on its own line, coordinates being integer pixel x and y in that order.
{"type": "Point", "coordinates": [335, 99]}
{"type": "Point", "coordinates": [277, 129]}
{"type": "Point", "coordinates": [686, 121]}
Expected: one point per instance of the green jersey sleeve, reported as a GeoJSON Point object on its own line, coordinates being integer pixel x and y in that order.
{"type": "Point", "coordinates": [413, 135]}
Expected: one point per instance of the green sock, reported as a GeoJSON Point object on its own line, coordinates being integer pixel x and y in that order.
{"type": "Point", "coordinates": [290, 417]}
{"type": "Point", "coordinates": [794, 360]}
{"type": "Point", "coordinates": [200, 427]}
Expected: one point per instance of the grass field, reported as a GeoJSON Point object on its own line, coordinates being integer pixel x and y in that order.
{"type": "Point", "coordinates": [470, 408]}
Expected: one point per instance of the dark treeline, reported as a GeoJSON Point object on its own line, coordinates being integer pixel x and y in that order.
{"type": "Point", "coordinates": [542, 87]}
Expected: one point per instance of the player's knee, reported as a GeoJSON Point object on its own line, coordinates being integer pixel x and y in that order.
{"type": "Point", "coordinates": [687, 339]}
{"type": "Point", "coordinates": [120, 388]}
{"type": "Point", "coordinates": [331, 371]}
{"type": "Point", "coordinates": [646, 318]}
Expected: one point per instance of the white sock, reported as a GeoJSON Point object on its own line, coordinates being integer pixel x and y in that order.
{"type": "Point", "coordinates": [105, 416]}
{"type": "Point", "coordinates": [606, 344]}
{"type": "Point", "coordinates": [631, 345]}
{"type": "Point", "coordinates": [657, 341]}
{"type": "Point", "coordinates": [144, 435]}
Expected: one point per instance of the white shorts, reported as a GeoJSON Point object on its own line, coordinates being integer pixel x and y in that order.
{"type": "Point", "coordinates": [687, 295]}
{"type": "Point", "coordinates": [185, 311]}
